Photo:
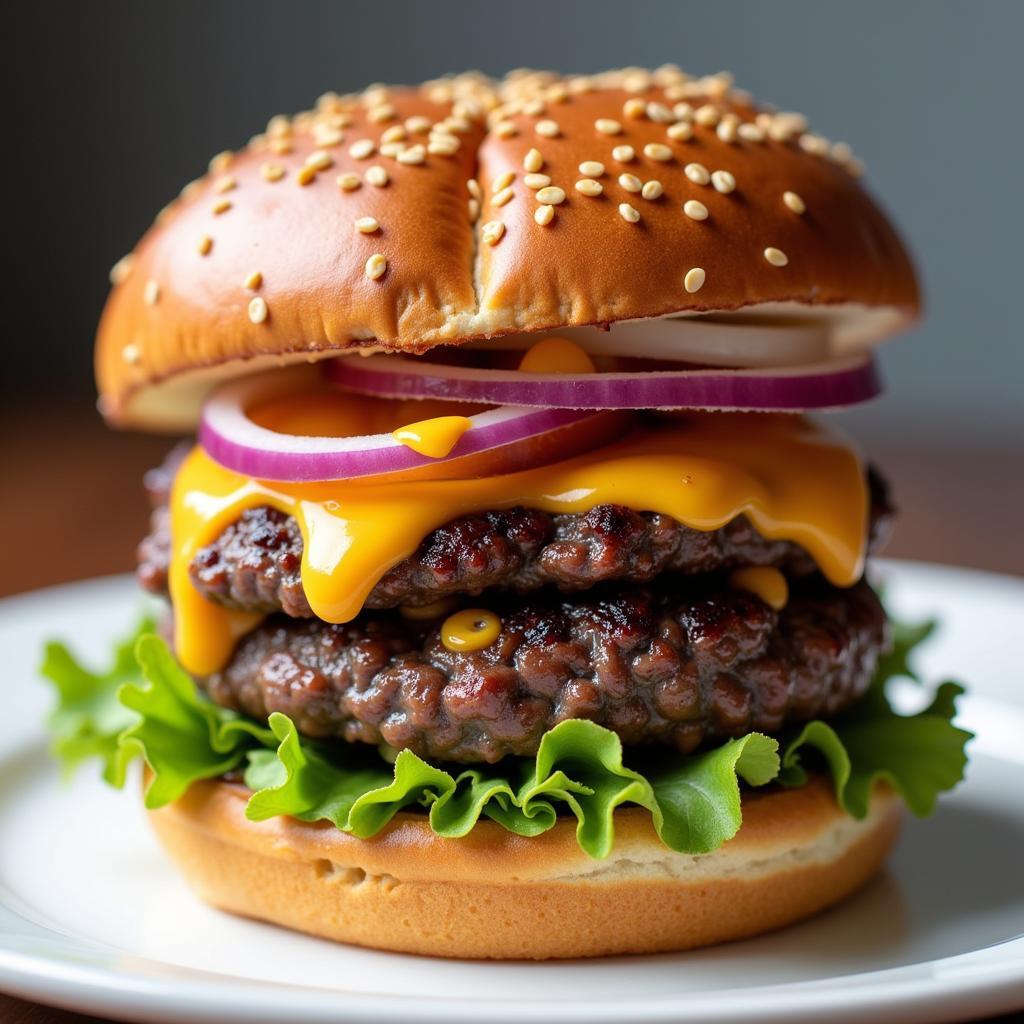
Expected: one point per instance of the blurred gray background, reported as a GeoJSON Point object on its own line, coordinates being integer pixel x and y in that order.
{"type": "Point", "coordinates": [140, 95]}
{"type": "Point", "coordinates": [117, 103]}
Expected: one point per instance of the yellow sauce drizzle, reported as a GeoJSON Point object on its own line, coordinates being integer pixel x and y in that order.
{"type": "Point", "coordinates": [472, 629]}
{"type": "Point", "coordinates": [765, 581]}
{"type": "Point", "coordinates": [556, 355]}
{"type": "Point", "coordinates": [434, 438]}
{"type": "Point", "coordinates": [792, 478]}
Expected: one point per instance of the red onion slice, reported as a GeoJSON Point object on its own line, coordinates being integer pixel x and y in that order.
{"type": "Point", "coordinates": [792, 389]}
{"type": "Point", "coordinates": [235, 441]}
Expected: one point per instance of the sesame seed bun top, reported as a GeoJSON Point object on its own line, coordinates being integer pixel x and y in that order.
{"type": "Point", "coordinates": [468, 208]}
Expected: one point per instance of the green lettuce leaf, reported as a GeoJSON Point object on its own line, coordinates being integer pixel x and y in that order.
{"type": "Point", "coordinates": [694, 801]}
{"type": "Point", "coordinates": [920, 755]}
{"type": "Point", "coordinates": [181, 735]}
{"type": "Point", "coordinates": [88, 719]}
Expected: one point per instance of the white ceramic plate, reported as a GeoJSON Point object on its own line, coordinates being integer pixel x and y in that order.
{"type": "Point", "coordinates": [91, 916]}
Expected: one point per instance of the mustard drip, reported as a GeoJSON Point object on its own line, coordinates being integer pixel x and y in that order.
{"type": "Point", "coordinates": [434, 438]}
{"type": "Point", "coordinates": [793, 479]}
{"type": "Point", "coordinates": [472, 629]}
{"type": "Point", "coordinates": [765, 581]}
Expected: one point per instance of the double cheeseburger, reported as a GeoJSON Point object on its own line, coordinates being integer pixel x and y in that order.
{"type": "Point", "coordinates": [517, 608]}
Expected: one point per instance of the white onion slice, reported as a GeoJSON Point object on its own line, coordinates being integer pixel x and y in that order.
{"type": "Point", "coordinates": [232, 439]}
{"type": "Point", "coordinates": [736, 340]}
{"type": "Point", "coordinates": [791, 389]}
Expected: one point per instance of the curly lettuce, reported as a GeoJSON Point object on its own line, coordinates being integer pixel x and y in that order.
{"type": "Point", "coordinates": [146, 707]}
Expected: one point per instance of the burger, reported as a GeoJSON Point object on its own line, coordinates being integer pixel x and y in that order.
{"type": "Point", "coordinates": [514, 598]}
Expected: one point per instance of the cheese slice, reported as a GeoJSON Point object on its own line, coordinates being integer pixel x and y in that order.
{"type": "Point", "coordinates": [794, 479]}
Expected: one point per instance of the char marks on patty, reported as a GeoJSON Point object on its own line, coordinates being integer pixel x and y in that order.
{"type": "Point", "coordinates": [679, 663]}
{"type": "Point", "coordinates": [254, 565]}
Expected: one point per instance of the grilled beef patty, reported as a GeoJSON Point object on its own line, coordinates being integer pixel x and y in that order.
{"type": "Point", "coordinates": [681, 662]}
{"type": "Point", "coordinates": [254, 565]}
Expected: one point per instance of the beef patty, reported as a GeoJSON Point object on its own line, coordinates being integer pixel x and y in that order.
{"type": "Point", "coordinates": [254, 565]}
{"type": "Point", "coordinates": [681, 662]}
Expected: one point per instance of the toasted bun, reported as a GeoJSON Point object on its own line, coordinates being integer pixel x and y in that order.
{"type": "Point", "coordinates": [496, 895]}
{"type": "Point", "coordinates": [260, 261]}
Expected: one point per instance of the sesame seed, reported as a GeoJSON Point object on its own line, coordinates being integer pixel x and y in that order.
{"type": "Point", "coordinates": [659, 112]}
{"type": "Point", "coordinates": [634, 107]}
{"type": "Point", "coordinates": [257, 309]}
{"type": "Point", "coordinates": [630, 213]}
{"type": "Point", "coordinates": [375, 266]}
{"type": "Point", "coordinates": [707, 115]}
{"type": "Point", "coordinates": [623, 154]}
{"type": "Point", "coordinates": [362, 149]}
{"type": "Point", "coordinates": [589, 187]}
{"type": "Point", "coordinates": [652, 189]}
{"type": "Point", "coordinates": [544, 215]}
{"type": "Point", "coordinates": [319, 160]}
{"type": "Point", "coordinates": [323, 135]}
{"type": "Point", "coordinates": [630, 182]}
{"type": "Point", "coordinates": [750, 132]}
{"type": "Point", "coordinates": [726, 131]}
{"type": "Point", "coordinates": [222, 206]}
{"type": "Point", "coordinates": [376, 175]}
{"type": "Point", "coordinates": [607, 126]}
{"type": "Point", "coordinates": [305, 175]}
{"type": "Point", "coordinates": [683, 112]}
{"type": "Point", "coordinates": [272, 172]}
{"type": "Point", "coordinates": [551, 195]}
{"type": "Point", "coordinates": [417, 124]}
{"type": "Point", "coordinates": [776, 257]}
{"type": "Point", "coordinates": [536, 181]}
{"type": "Point", "coordinates": [204, 245]}
{"type": "Point", "coordinates": [794, 202]}
{"type": "Point", "coordinates": [443, 145]}
{"type": "Point", "coordinates": [657, 151]}
{"type": "Point", "coordinates": [473, 206]}
{"type": "Point", "coordinates": [841, 152]}
{"type": "Point", "coordinates": [695, 210]}
{"type": "Point", "coordinates": [817, 145]}
{"type": "Point", "coordinates": [723, 181]}
{"type": "Point", "coordinates": [503, 181]}
{"type": "Point", "coordinates": [151, 292]}
{"type": "Point", "coordinates": [413, 155]}
{"type": "Point", "coordinates": [280, 146]}
{"type": "Point", "coordinates": [505, 129]}
{"type": "Point", "coordinates": [492, 231]}
{"type": "Point", "coordinates": [348, 182]}
{"type": "Point", "coordinates": [366, 225]}
{"type": "Point", "coordinates": [533, 161]}
{"type": "Point", "coordinates": [221, 162]}
{"type": "Point", "coordinates": [131, 354]}
{"type": "Point", "coordinates": [473, 187]}
{"type": "Point", "coordinates": [681, 131]}
{"type": "Point", "coordinates": [534, 108]}
{"type": "Point", "coordinates": [549, 129]}
{"type": "Point", "coordinates": [694, 279]}
{"type": "Point", "coordinates": [502, 197]}
{"type": "Point", "coordinates": [253, 281]}
{"type": "Point", "coordinates": [592, 168]}
{"type": "Point", "coordinates": [381, 113]}
{"type": "Point", "coordinates": [225, 183]}
{"type": "Point", "coordinates": [121, 269]}
{"type": "Point", "coordinates": [697, 173]}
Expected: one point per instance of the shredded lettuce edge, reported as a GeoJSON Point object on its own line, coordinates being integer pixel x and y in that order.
{"type": "Point", "coordinates": [146, 707]}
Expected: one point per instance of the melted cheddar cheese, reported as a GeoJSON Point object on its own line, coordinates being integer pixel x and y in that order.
{"type": "Point", "coordinates": [793, 479]}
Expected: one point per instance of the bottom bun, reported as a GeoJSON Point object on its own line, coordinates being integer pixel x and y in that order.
{"type": "Point", "coordinates": [496, 895]}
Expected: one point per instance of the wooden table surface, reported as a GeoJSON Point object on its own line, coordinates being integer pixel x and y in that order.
{"type": "Point", "coordinates": [74, 508]}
